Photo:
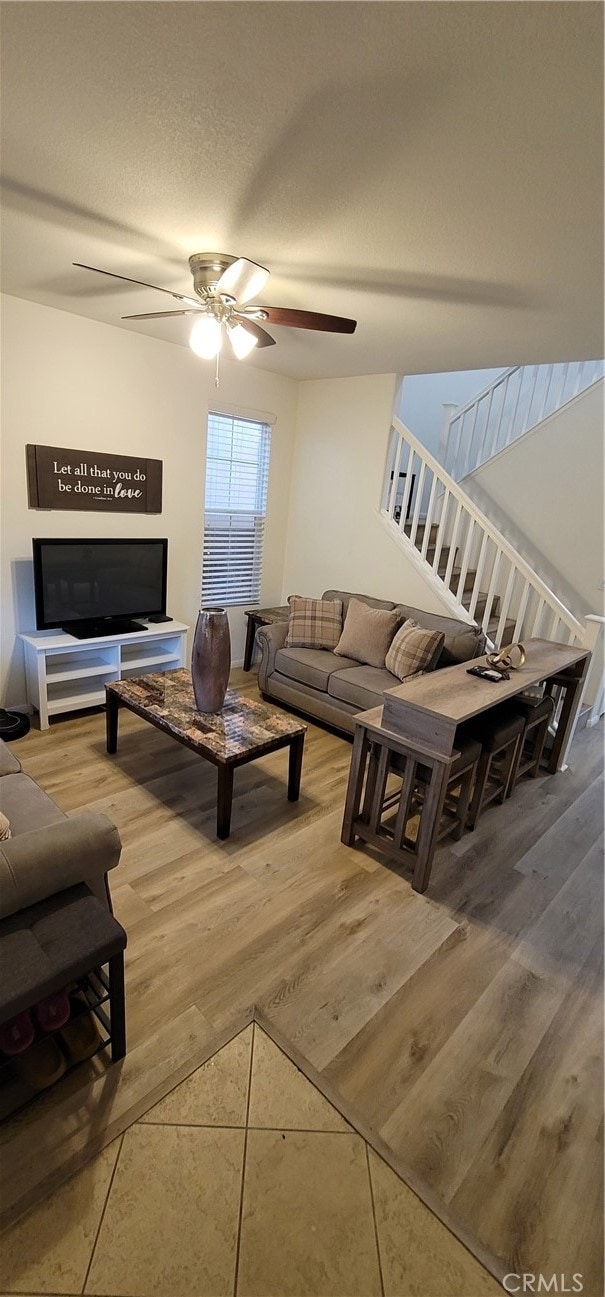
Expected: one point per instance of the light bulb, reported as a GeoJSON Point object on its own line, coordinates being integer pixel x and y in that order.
{"type": "Point", "coordinates": [206, 337]}
{"type": "Point", "coordinates": [241, 340]}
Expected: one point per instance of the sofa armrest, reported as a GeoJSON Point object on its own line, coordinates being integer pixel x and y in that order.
{"type": "Point", "coordinates": [270, 638]}
{"type": "Point", "coordinates": [39, 863]}
{"type": "Point", "coordinates": [9, 765]}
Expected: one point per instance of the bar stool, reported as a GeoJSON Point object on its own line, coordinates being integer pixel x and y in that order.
{"type": "Point", "coordinates": [499, 732]}
{"type": "Point", "coordinates": [458, 791]}
{"type": "Point", "coordinates": [536, 719]}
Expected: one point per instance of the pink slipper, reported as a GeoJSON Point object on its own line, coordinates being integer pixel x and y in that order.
{"type": "Point", "coordinates": [53, 1012]}
{"type": "Point", "coordinates": [17, 1034]}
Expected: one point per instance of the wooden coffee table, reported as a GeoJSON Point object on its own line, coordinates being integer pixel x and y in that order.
{"type": "Point", "coordinates": [242, 731]}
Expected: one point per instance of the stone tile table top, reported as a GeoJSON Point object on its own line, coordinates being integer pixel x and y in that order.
{"type": "Point", "coordinates": [242, 725]}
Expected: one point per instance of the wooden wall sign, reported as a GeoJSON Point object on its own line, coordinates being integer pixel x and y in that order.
{"type": "Point", "coordinates": [88, 479]}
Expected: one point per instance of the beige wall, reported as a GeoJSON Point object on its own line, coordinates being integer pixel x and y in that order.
{"type": "Point", "coordinates": [545, 492]}
{"type": "Point", "coordinates": [69, 381]}
{"type": "Point", "coordinates": [335, 537]}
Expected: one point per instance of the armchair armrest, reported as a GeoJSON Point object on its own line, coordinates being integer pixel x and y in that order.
{"type": "Point", "coordinates": [39, 863]}
{"type": "Point", "coordinates": [271, 639]}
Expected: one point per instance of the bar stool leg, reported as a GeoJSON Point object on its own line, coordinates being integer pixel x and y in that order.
{"type": "Point", "coordinates": [511, 760]}
{"type": "Point", "coordinates": [480, 785]}
{"type": "Point", "coordinates": [117, 1007]}
{"type": "Point", "coordinates": [538, 748]}
{"type": "Point", "coordinates": [464, 799]}
{"type": "Point", "coordinates": [513, 775]}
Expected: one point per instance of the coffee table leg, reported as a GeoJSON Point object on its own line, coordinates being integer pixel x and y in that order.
{"type": "Point", "coordinates": [225, 800]}
{"type": "Point", "coordinates": [112, 707]}
{"type": "Point", "coordinates": [295, 767]}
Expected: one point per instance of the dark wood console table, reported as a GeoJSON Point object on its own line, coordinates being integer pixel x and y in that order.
{"type": "Point", "coordinates": [418, 721]}
{"type": "Point", "coordinates": [260, 617]}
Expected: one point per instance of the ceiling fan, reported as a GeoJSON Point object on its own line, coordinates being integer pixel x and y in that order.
{"type": "Point", "coordinates": [224, 286]}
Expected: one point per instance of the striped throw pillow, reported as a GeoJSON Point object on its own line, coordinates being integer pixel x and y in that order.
{"type": "Point", "coordinates": [414, 650]}
{"type": "Point", "coordinates": [314, 623]}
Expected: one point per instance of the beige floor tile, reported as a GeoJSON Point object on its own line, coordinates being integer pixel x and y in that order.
{"type": "Point", "coordinates": [419, 1256]}
{"type": "Point", "coordinates": [281, 1098]}
{"type": "Point", "coordinates": [307, 1223]}
{"type": "Point", "coordinates": [48, 1251]}
{"type": "Point", "coordinates": [170, 1227]}
{"type": "Point", "coordinates": [216, 1094]}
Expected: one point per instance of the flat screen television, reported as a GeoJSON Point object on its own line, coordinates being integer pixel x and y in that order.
{"type": "Point", "coordinates": [96, 587]}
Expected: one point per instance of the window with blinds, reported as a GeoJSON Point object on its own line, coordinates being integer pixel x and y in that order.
{"type": "Point", "coordinates": [237, 471]}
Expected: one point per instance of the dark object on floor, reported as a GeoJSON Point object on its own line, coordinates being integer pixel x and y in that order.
{"type": "Point", "coordinates": [13, 725]}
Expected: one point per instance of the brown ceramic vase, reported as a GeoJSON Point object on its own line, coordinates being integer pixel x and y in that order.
{"type": "Point", "coordinates": [211, 659]}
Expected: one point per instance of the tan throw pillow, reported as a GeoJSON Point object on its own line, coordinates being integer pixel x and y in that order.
{"type": "Point", "coordinates": [414, 650]}
{"type": "Point", "coordinates": [367, 633]}
{"type": "Point", "coordinates": [314, 623]}
{"type": "Point", "coordinates": [5, 828]}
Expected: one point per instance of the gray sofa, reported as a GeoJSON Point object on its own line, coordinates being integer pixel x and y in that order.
{"type": "Point", "coordinates": [48, 851]}
{"type": "Point", "coordinates": [333, 689]}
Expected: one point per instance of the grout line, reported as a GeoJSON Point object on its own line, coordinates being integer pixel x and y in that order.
{"type": "Point", "coordinates": [241, 1196]}
{"type": "Point", "coordinates": [102, 1218]}
{"type": "Point", "coordinates": [223, 1125]}
{"type": "Point", "coordinates": [374, 1218]}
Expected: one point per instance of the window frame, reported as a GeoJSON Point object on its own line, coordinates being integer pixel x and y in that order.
{"type": "Point", "coordinates": [233, 536]}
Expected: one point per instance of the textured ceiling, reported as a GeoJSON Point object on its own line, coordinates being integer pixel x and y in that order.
{"type": "Point", "coordinates": [432, 169]}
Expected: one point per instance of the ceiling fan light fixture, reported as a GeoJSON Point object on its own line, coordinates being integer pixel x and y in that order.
{"type": "Point", "coordinates": [206, 337]}
{"type": "Point", "coordinates": [241, 340]}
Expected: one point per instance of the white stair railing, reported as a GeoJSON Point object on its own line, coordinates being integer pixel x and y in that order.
{"type": "Point", "coordinates": [478, 573]}
{"type": "Point", "coordinates": [517, 400]}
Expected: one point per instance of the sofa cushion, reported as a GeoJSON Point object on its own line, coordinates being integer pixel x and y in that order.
{"type": "Point", "coordinates": [414, 649]}
{"type": "Point", "coordinates": [314, 623]}
{"type": "Point", "coordinates": [362, 686]}
{"type": "Point", "coordinates": [309, 666]}
{"type": "Point", "coordinates": [26, 806]}
{"type": "Point", "coordinates": [367, 633]}
{"type": "Point", "coordinates": [462, 642]}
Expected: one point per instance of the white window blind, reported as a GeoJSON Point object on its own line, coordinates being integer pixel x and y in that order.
{"type": "Point", "coordinates": [237, 471]}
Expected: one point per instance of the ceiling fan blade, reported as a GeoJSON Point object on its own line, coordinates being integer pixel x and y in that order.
{"type": "Point", "coordinates": [242, 280]}
{"type": "Point", "coordinates": [141, 282]}
{"type": "Point", "coordinates": [308, 320]}
{"type": "Point", "coordinates": [263, 339]}
{"type": "Point", "coordinates": [163, 315]}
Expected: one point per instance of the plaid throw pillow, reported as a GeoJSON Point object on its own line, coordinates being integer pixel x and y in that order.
{"type": "Point", "coordinates": [414, 650]}
{"type": "Point", "coordinates": [314, 623]}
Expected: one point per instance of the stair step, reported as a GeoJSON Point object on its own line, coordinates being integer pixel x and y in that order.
{"type": "Point", "coordinates": [421, 530]}
{"type": "Point", "coordinates": [481, 604]}
{"type": "Point", "coordinates": [443, 558]}
{"type": "Point", "coordinates": [507, 632]}
{"type": "Point", "coordinates": [469, 579]}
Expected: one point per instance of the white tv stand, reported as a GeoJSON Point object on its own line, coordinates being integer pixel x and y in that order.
{"type": "Point", "coordinates": [65, 674]}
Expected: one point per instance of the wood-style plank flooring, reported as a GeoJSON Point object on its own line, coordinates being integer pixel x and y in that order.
{"type": "Point", "coordinates": [464, 1027]}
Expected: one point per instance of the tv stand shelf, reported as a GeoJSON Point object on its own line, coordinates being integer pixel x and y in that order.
{"type": "Point", "coordinates": [65, 674]}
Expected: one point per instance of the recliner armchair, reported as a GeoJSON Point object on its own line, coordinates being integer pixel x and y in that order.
{"type": "Point", "coordinates": [49, 851]}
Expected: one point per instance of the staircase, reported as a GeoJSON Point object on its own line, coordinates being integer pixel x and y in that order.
{"type": "Point", "coordinates": [474, 571]}
{"type": "Point", "coordinates": [464, 592]}
{"type": "Point", "coordinates": [516, 401]}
